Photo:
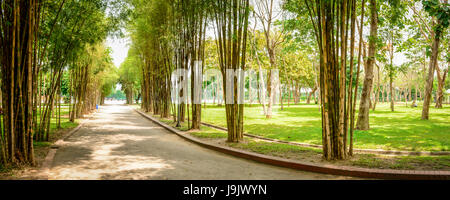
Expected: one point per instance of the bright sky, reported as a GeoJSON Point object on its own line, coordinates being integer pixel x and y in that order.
{"type": "Point", "coordinates": [119, 47]}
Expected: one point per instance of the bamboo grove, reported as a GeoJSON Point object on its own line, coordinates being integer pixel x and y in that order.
{"type": "Point", "coordinates": [172, 37]}
{"type": "Point", "coordinates": [337, 97]}
{"type": "Point", "coordinates": [334, 25]}
{"type": "Point", "coordinates": [53, 55]}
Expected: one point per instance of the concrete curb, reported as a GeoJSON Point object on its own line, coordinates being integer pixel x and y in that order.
{"type": "Point", "coordinates": [371, 151]}
{"type": "Point", "coordinates": [312, 167]}
{"type": "Point", "coordinates": [59, 142]}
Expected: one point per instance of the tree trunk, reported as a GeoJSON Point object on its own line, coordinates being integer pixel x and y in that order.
{"type": "Point", "coordinates": [231, 26]}
{"type": "Point", "coordinates": [409, 94]}
{"type": "Point", "coordinates": [331, 29]}
{"type": "Point", "coordinates": [313, 91]}
{"type": "Point", "coordinates": [431, 69]}
{"type": "Point", "coordinates": [392, 93]}
{"type": "Point", "coordinates": [17, 70]}
{"type": "Point", "coordinates": [405, 94]}
{"type": "Point", "coordinates": [262, 95]}
{"type": "Point", "coordinates": [377, 95]}
{"type": "Point", "coordinates": [297, 94]}
{"type": "Point", "coordinates": [440, 89]}
{"type": "Point", "coordinates": [363, 115]}
{"type": "Point", "coordinates": [416, 89]}
{"type": "Point", "coordinates": [281, 97]}
{"type": "Point", "coordinates": [270, 91]}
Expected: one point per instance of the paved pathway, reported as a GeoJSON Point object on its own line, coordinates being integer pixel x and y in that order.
{"type": "Point", "coordinates": [118, 143]}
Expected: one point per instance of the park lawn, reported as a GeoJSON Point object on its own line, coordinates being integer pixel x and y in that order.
{"type": "Point", "coordinates": [65, 122]}
{"type": "Point", "coordinates": [399, 130]}
{"type": "Point", "coordinates": [314, 155]}
{"type": "Point", "coordinates": [41, 147]}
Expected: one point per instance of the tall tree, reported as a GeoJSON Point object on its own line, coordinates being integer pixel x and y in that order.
{"type": "Point", "coordinates": [364, 107]}
{"type": "Point", "coordinates": [19, 21]}
{"type": "Point", "coordinates": [441, 20]}
{"type": "Point", "coordinates": [267, 17]}
{"type": "Point", "coordinates": [331, 21]}
{"type": "Point", "coordinates": [231, 24]}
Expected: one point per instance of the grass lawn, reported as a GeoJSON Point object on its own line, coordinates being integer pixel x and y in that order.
{"type": "Point", "coordinates": [41, 147]}
{"type": "Point", "coordinates": [315, 155]}
{"type": "Point", "coordinates": [65, 122]}
{"type": "Point", "coordinates": [399, 130]}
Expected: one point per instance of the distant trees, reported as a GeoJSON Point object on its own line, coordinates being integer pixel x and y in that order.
{"type": "Point", "coordinates": [130, 77]}
{"type": "Point", "coordinates": [109, 78]}
{"type": "Point", "coordinates": [117, 95]}
{"type": "Point", "coordinates": [297, 71]}
{"type": "Point", "coordinates": [151, 50]}
{"type": "Point", "coordinates": [92, 76]}
{"type": "Point", "coordinates": [266, 12]}
{"type": "Point", "coordinates": [301, 41]}
{"type": "Point", "coordinates": [146, 72]}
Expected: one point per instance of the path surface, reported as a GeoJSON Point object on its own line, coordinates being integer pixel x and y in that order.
{"type": "Point", "coordinates": [118, 143]}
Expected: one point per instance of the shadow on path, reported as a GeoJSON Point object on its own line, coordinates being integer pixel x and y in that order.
{"type": "Point", "coordinates": [120, 144]}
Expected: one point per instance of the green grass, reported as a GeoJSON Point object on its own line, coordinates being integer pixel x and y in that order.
{"type": "Point", "coordinates": [208, 132]}
{"type": "Point", "coordinates": [65, 124]}
{"type": "Point", "coordinates": [315, 155]}
{"type": "Point", "coordinates": [399, 130]}
{"type": "Point", "coordinates": [403, 162]}
{"type": "Point", "coordinates": [439, 162]}
{"type": "Point", "coordinates": [41, 144]}
{"type": "Point", "coordinates": [4, 170]}
{"type": "Point", "coordinates": [65, 121]}
{"type": "Point", "coordinates": [184, 126]}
